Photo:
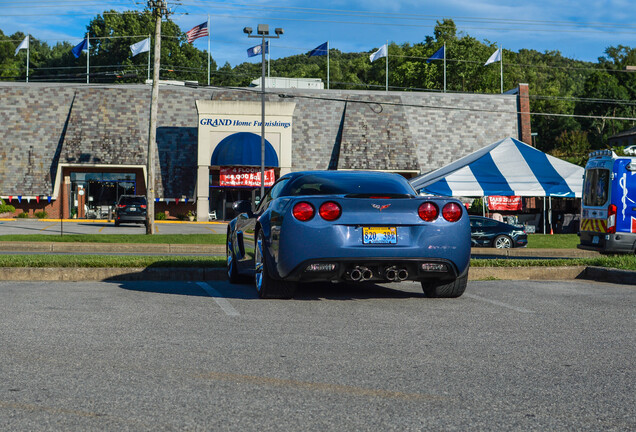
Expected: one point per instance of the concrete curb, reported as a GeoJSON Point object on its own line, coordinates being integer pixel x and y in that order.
{"type": "Point", "coordinates": [599, 274]}
{"type": "Point", "coordinates": [111, 274]}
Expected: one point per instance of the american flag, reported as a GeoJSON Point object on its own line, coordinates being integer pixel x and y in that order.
{"type": "Point", "coordinates": [197, 32]}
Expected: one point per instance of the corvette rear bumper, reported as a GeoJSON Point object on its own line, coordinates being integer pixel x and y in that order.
{"type": "Point", "coordinates": [374, 269]}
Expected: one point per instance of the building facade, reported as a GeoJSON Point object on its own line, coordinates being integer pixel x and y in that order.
{"type": "Point", "coordinates": [72, 149]}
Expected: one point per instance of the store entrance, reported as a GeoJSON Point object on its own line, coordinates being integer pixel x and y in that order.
{"type": "Point", "coordinates": [94, 194]}
{"type": "Point", "coordinates": [221, 200]}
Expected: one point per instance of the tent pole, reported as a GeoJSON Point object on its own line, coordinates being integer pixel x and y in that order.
{"type": "Point", "coordinates": [483, 206]}
{"type": "Point", "coordinates": [543, 215]}
{"type": "Point", "coordinates": [550, 216]}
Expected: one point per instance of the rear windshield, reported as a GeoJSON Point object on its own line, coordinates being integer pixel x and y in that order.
{"type": "Point", "coordinates": [125, 200]}
{"type": "Point", "coordinates": [356, 184]}
{"type": "Point", "coordinates": [596, 187]}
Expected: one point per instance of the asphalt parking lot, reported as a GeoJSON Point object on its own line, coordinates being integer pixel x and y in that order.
{"type": "Point", "coordinates": [211, 356]}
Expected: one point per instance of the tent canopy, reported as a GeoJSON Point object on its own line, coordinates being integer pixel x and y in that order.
{"type": "Point", "coordinates": [507, 167]}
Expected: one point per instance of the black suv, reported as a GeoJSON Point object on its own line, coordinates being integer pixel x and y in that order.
{"type": "Point", "coordinates": [131, 209]}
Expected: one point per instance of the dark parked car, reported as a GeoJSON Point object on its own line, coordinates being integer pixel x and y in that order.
{"type": "Point", "coordinates": [131, 209]}
{"type": "Point", "coordinates": [485, 232]}
{"type": "Point", "coordinates": [349, 226]}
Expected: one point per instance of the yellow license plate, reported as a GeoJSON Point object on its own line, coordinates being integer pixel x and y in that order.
{"type": "Point", "coordinates": [379, 235]}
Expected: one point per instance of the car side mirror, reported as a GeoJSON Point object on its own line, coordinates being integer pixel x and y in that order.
{"type": "Point", "coordinates": [243, 206]}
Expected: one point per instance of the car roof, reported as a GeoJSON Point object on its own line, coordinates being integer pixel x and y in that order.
{"type": "Point", "coordinates": [342, 173]}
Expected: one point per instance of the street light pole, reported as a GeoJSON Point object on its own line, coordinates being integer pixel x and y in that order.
{"type": "Point", "coordinates": [263, 32]}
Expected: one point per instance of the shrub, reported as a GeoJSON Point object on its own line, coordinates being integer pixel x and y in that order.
{"type": "Point", "coordinates": [160, 216]}
{"type": "Point", "coordinates": [6, 208]}
{"type": "Point", "coordinates": [40, 214]}
{"type": "Point", "coordinates": [23, 215]}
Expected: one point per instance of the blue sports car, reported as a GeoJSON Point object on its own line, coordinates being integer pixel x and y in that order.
{"type": "Point", "coordinates": [349, 226]}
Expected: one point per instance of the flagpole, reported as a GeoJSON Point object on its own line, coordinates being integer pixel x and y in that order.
{"type": "Point", "coordinates": [88, 55]}
{"type": "Point", "coordinates": [148, 57]}
{"type": "Point", "coordinates": [501, 65]}
{"type": "Point", "coordinates": [387, 65]}
{"type": "Point", "coordinates": [327, 65]}
{"type": "Point", "coordinates": [268, 50]}
{"type": "Point", "coordinates": [28, 49]}
{"type": "Point", "coordinates": [208, 50]}
{"type": "Point", "coordinates": [444, 67]}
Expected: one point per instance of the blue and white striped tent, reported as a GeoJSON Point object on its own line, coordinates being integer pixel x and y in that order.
{"type": "Point", "coordinates": [507, 167]}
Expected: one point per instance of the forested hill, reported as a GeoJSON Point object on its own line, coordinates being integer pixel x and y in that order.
{"type": "Point", "coordinates": [575, 104]}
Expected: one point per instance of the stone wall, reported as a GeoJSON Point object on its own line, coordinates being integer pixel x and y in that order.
{"type": "Point", "coordinates": [47, 124]}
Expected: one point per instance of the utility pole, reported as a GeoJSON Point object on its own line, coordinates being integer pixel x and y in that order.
{"type": "Point", "coordinates": [158, 8]}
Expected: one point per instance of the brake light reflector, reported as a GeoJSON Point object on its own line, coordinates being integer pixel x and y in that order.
{"type": "Point", "coordinates": [330, 211]}
{"type": "Point", "coordinates": [428, 211]}
{"type": "Point", "coordinates": [452, 212]}
{"type": "Point", "coordinates": [611, 219]}
{"type": "Point", "coordinates": [303, 211]}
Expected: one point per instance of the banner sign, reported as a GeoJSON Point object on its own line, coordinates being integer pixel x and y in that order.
{"type": "Point", "coordinates": [508, 203]}
{"type": "Point", "coordinates": [245, 176]}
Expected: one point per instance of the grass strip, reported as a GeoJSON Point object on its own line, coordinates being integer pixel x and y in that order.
{"type": "Point", "coordinates": [556, 241]}
{"type": "Point", "coordinates": [108, 261]}
{"type": "Point", "coordinates": [119, 238]}
{"type": "Point", "coordinates": [624, 262]}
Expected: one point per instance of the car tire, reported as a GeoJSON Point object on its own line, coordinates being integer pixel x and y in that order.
{"type": "Point", "coordinates": [502, 242]}
{"type": "Point", "coordinates": [232, 270]}
{"type": "Point", "coordinates": [116, 223]}
{"type": "Point", "coordinates": [452, 289]}
{"type": "Point", "coordinates": [266, 286]}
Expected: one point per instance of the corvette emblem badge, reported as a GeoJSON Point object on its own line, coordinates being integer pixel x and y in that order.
{"type": "Point", "coordinates": [380, 207]}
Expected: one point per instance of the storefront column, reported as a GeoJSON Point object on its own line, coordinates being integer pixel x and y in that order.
{"type": "Point", "coordinates": [203, 192]}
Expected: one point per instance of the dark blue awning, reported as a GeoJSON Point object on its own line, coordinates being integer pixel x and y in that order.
{"type": "Point", "coordinates": [243, 149]}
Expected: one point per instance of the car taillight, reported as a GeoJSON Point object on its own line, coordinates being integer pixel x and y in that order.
{"type": "Point", "coordinates": [121, 206]}
{"type": "Point", "coordinates": [143, 206]}
{"type": "Point", "coordinates": [611, 219]}
{"type": "Point", "coordinates": [330, 211]}
{"type": "Point", "coordinates": [428, 211]}
{"type": "Point", "coordinates": [452, 212]}
{"type": "Point", "coordinates": [303, 211]}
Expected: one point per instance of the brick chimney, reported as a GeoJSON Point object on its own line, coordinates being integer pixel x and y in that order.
{"type": "Point", "coordinates": [523, 104]}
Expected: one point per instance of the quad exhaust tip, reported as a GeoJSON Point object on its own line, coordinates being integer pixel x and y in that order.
{"type": "Point", "coordinates": [360, 274]}
{"type": "Point", "coordinates": [394, 274]}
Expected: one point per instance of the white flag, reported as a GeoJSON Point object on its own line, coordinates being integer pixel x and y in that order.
{"type": "Point", "coordinates": [140, 47]}
{"type": "Point", "coordinates": [379, 53]}
{"type": "Point", "coordinates": [23, 45]}
{"type": "Point", "coordinates": [495, 57]}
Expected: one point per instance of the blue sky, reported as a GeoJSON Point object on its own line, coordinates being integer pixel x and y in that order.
{"type": "Point", "coordinates": [578, 29]}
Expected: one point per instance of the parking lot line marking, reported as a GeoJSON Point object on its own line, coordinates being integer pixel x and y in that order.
{"type": "Point", "coordinates": [219, 299]}
{"type": "Point", "coordinates": [318, 386]}
{"type": "Point", "coordinates": [47, 227]}
{"type": "Point", "coordinates": [498, 303]}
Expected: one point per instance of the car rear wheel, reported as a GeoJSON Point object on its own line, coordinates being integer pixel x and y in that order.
{"type": "Point", "coordinates": [116, 223]}
{"type": "Point", "coordinates": [451, 289]}
{"type": "Point", "coordinates": [502, 242]}
{"type": "Point", "coordinates": [266, 286]}
{"type": "Point", "coordinates": [232, 271]}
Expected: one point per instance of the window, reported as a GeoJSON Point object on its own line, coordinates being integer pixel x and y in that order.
{"type": "Point", "coordinates": [273, 193]}
{"type": "Point", "coordinates": [351, 184]}
{"type": "Point", "coordinates": [596, 187]}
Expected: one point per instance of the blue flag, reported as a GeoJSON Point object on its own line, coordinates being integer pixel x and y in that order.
{"type": "Point", "coordinates": [82, 46]}
{"type": "Point", "coordinates": [256, 50]}
{"type": "Point", "coordinates": [319, 50]}
{"type": "Point", "coordinates": [439, 54]}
